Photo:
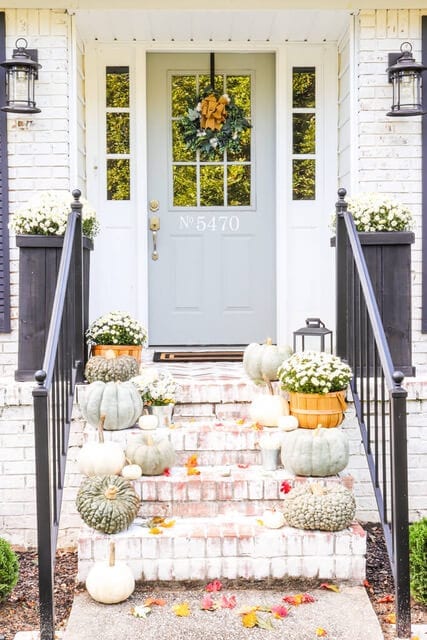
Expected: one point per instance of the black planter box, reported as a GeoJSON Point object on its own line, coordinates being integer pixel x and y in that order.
{"type": "Point", "coordinates": [388, 258]}
{"type": "Point", "coordinates": [39, 258]}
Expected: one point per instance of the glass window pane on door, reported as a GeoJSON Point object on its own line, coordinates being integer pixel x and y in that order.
{"type": "Point", "coordinates": [303, 133]}
{"type": "Point", "coordinates": [117, 133]}
{"type": "Point", "coordinates": [209, 179]}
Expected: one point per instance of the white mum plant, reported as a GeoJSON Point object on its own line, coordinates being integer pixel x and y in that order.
{"type": "Point", "coordinates": [46, 213]}
{"type": "Point", "coordinates": [156, 387]}
{"type": "Point", "coordinates": [116, 327]}
{"type": "Point", "coordinates": [376, 212]}
{"type": "Point", "coordinates": [314, 372]}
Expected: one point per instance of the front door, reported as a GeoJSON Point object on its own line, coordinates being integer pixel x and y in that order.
{"type": "Point", "coordinates": [212, 261]}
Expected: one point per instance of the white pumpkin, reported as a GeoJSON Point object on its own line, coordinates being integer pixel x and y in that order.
{"type": "Point", "coordinates": [110, 582]}
{"type": "Point", "coordinates": [288, 423]}
{"type": "Point", "coordinates": [101, 458]}
{"type": "Point", "coordinates": [261, 361]}
{"type": "Point", "coordinates": [266, 409]}
{"type": "Point", "coordinates": [148, 421]}
{"type": "Point", "coordinates": [131, 472]}
{"type": "Point", "coordinates": [273, 518]}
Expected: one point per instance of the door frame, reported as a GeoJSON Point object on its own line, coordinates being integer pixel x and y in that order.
{"type": "Point", "coordinates": [286, 56]}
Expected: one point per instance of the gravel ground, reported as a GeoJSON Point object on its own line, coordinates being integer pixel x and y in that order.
{"type": "Point", "coordinates": [19, 612]}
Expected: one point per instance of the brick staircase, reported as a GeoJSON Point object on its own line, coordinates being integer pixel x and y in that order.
{"type": "Point", "coordinates": [217, 531]}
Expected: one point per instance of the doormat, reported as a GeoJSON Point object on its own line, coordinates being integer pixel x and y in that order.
{"type": "Point", "coordinates": [198, 356]}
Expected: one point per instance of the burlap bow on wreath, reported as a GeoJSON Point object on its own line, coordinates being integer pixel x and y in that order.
{"type": "Point", "coordinates": [213, 112]}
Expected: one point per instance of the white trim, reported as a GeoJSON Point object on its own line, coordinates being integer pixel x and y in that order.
{"type": "Point", "coordinates": [354, 147]}
{"type": "Point", "coordinates": [73, 173]}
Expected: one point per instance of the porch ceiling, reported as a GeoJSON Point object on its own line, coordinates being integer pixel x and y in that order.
{"type": "Point", "coordinates": [216, 26]}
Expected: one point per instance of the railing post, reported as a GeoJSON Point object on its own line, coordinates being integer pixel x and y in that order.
{"type": "Point", "coordinates": [45, 539]}
{"type": "Point", "coordinates": [341, 265]}
{"type": "Point", "coordinates": [399, 498]}
{"type": "Point", "coordinates": [79, 350]}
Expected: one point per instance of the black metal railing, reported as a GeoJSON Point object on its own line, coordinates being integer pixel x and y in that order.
{"type": "Point", "coordinates": [379, 399]}
{"type": "Point", "coordinates": [53, 403]}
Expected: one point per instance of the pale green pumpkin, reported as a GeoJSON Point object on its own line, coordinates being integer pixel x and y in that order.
{"type": "Point", "coordinates": [119, 402]}
{"type": "Point", "coordinates": [318, 452]}
{"type": "Point", "coordinates": [261, 361]}
{"type": "Point", "coordinates": [153, 457]}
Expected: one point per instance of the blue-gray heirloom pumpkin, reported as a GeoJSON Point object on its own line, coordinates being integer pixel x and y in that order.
{"type": "Point", "coordinates": [319, 452]}
{"type": "Point", "coordinates": [119, 402]}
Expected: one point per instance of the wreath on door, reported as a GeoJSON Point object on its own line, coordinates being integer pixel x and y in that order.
{"type": "Point", "coordinates": [214, 124]}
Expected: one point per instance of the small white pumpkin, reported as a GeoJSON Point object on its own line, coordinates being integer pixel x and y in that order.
{"type": "Point", "coordinates": [131, 471]}
{"type": "Point", "coordinates": [101, 458]}
{"type": "Point", "coordinates": [261, 361]}
{"type": "Point", "coordinates": [110, 582]}
{"type": "Point", "coordinates": [288, 423]}
{"type": "Point", "coordinates": [148, 421]}
{"type": "Point", "coordinates": [273, 518]}
{"type": "Point", "coordinates": [266, 409]}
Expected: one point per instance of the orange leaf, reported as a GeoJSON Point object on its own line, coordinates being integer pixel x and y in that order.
{"type": "Point", "coordinates": [249, 620]}
{"type": "Point", "coordinates": [387, 598]}
{"type": "Point", "coordinates": [167, 525]}
{"type": "Point", "coordinates": [257, 426]}
{"type": "Point", "coordinates": [182, 609]}
{"type": "Point", "coordinates": [391, 618]}
{"type": "Point", "coordinates": [158, 601]}
{"type": "Point", "coordinates": [191, 461]}
{"type": "Point", "coordinates": [192, 471]}
{"type": "Point", "coordinates": [156, 520]}
{"type": "Point", "coordinates": [329, 586]}
{"type": "Point", "coordinates": [320, 632]}
{"type": "Point", "coordinates": [367, 584]}
{"type": "Point", "coordinates": [155, 531]}
{"type": "Point", "coordinates": [299, 598]}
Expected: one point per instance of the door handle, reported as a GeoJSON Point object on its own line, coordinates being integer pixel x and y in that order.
{"type": "Point", "coordinates": [155, 253]}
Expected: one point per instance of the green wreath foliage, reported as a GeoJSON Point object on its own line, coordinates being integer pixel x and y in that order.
{"type": "Point", "coordinates": [210, 141]}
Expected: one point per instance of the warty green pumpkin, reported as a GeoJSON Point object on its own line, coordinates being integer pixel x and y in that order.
{"type": "Point", "coordinates": [107, 503]}
{"type": "Point", "coordinates": [119, 402]}
{"type": "Point", "coordinates": [261, 361]}
{"type": "Point", "coordinates": [118, 369]}
{"type": "Point", "coordinates": [152, 456]}
{"type": "Point", "coordinates": [318, 452]}
{"type": "Point", "coordinates": [328, 508]}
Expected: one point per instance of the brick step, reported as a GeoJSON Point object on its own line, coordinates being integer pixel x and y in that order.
{"type": "Point", "coordinates": [225, 547]}
{"type": "Point", "coordinates": [218, 490]}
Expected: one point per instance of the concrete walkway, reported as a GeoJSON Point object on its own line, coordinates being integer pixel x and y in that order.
{"type": "Point", "coordinates": [346, 615]}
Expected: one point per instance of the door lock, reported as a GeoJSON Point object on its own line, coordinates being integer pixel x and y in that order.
{"type": "Point", "coordinates": [154, 223]}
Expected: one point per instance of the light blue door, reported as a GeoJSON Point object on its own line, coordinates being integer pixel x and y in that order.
{"type": "Point", "coordinates": [213, 279]}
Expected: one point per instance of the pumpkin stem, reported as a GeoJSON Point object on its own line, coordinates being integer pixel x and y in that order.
{"type": "Point", "coordinates": [112, 556]}
{"type": "Point", "coordinates": [111, 492]}
{"type": "Point", "coordinates": [269, 385]}
{"type": "Point", "coordinates": [101, 429]}
{"type": "Point", "coordinates": [269, 341]}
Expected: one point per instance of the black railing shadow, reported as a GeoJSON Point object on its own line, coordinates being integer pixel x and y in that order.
{"type": "Point", "coordinates": [379, 399]}
{"type": "Point", "coordinates": [53, 404]}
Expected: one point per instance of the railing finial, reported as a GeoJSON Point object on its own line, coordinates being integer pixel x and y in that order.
{"type": "Point", "coordinates": [76, 205]}
{"type": "Point", "coordinates": [40, 377]}
{"type": "Point", "coordinates": [341, 205]}
{"type": "Point", "coordinates": [398, 377]}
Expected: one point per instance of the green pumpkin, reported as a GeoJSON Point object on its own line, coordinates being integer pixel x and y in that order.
{"type": "Point", "coordinates": [119, 402]}
{"type": "Point", "coordinates": [121, 369]}
{"type": "Point", "coordinates": [315, 452]}
{"type": "Point", "coordinates": [107, 503]}
{"type": "Point", "coordinates": [261, 361]}
{"type": "Point", "coordinates": [328, 508]}
{"type": "Point", "coordinates": [152, 456]}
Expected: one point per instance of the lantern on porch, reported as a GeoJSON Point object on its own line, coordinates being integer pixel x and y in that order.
{"type": "Point", "coordinates": [315, 333]}
{"type": "Point", "coordinates": [404, 73]}
{"type": "Point", "coordinates": [21, 73]}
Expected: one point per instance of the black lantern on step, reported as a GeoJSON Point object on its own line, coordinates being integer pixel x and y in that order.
{"type": "Point", "coordinates": [405, 76]}
{"type": "Point", "coordinates": [21, 73]}
{"type": "Point", "coordinates": [315, 333]}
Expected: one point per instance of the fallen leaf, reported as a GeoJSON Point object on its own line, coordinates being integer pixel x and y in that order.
{"type": "Point", "coordinates": [140, 611]}
{"type": "Point", "coordinates": [257, 426]}
{"type": "Point", "coordinates": [367, 584]}
{"type": "Point", "coordinates": [260, 522]}
{"type": "Point", "coordinates": [167, 472]}
{"type": "Point", "coordinates": [285, 487]}
{"type": "Point", "coordinates": [155, 531]}
{"type": "Point", "coordinates": [330, 586]}
{"type": "Point", "coordinates": [279, 611]}
{"type": "Point", "coordinates": [182, 610]}
{"type": "Point", "coordinates": [228, 602]}
{"type": "Point", "coordinates": [192, 471]}
{"type": "Point", "coordinates": [156, 520]}
{"type": "Point", "coordinates": [191, 461]}
{"type": "Point", "coordinates": [207, 603]}
{"type": "Point", "coordinates": [240, 421]}
{"type": "Point", "coordinates": [320, 632]}
{"type": "Point", "coordinates": [243, 466]}
{"type": "Point", "coordinates": [214, 586]}
{"type": "Point", "coordinates": [387, 598]}
{"type": "Point", "coordinates": [390, 618]}
{"type": "Point", "coordinates": [265, 623]}
{"type": "Point", "coordinates": [299, 598]}
{"type": "Point", "coordinates": [249, 619]}
{"type": "Point", "coordinates": [167, 525]}
{"type": "Point", "coordinates": [157, 601]}
{"type": "Point", "coordinates": [415, 638]}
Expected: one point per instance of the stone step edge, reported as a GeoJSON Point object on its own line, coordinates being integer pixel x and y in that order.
{"type": "Point", "coordinates": [237, 547]}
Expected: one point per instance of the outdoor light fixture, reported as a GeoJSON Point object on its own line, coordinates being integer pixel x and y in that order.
{"type": "Point", "coordinates": [21, 72]}
{"type": "Point", "coordinates": [405, 76]}
{"type": "Point", "coordinates": [315, 333]}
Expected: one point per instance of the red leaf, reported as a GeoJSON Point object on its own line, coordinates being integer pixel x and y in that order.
{"type": "Point", "coordinates": [279, 611]}
{"type": "Point", "coordinates": [228, 602]}
{"type": "Point", "coordinates": [387, 598]}
{"type": "Point", "coordinates": [166, 472]}
{"type": "Point", "coordinates": [214, 586]}
{"type": "Point", "coordinates": [243, 466]}
{"type": "Point", "coordinates": [367, 584]}
{"type": "Point", "coordinates": [207, 603]}
{"type": "Point", "coordinates": [285, 487]}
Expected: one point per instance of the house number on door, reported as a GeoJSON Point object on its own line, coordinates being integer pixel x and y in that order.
{"type": "Point", "coordinates": [209, 223]}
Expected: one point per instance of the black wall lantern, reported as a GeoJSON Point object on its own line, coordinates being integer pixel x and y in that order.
{"type": "Point", "coordinates": [21, 73]}
{"type": "Point", "coordinates": [315, 333]}
{"type": "Point", "coordinates": [405, 76]}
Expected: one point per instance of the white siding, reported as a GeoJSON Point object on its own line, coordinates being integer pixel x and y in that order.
{"type": "Point", "coordinates": [344, 110]}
